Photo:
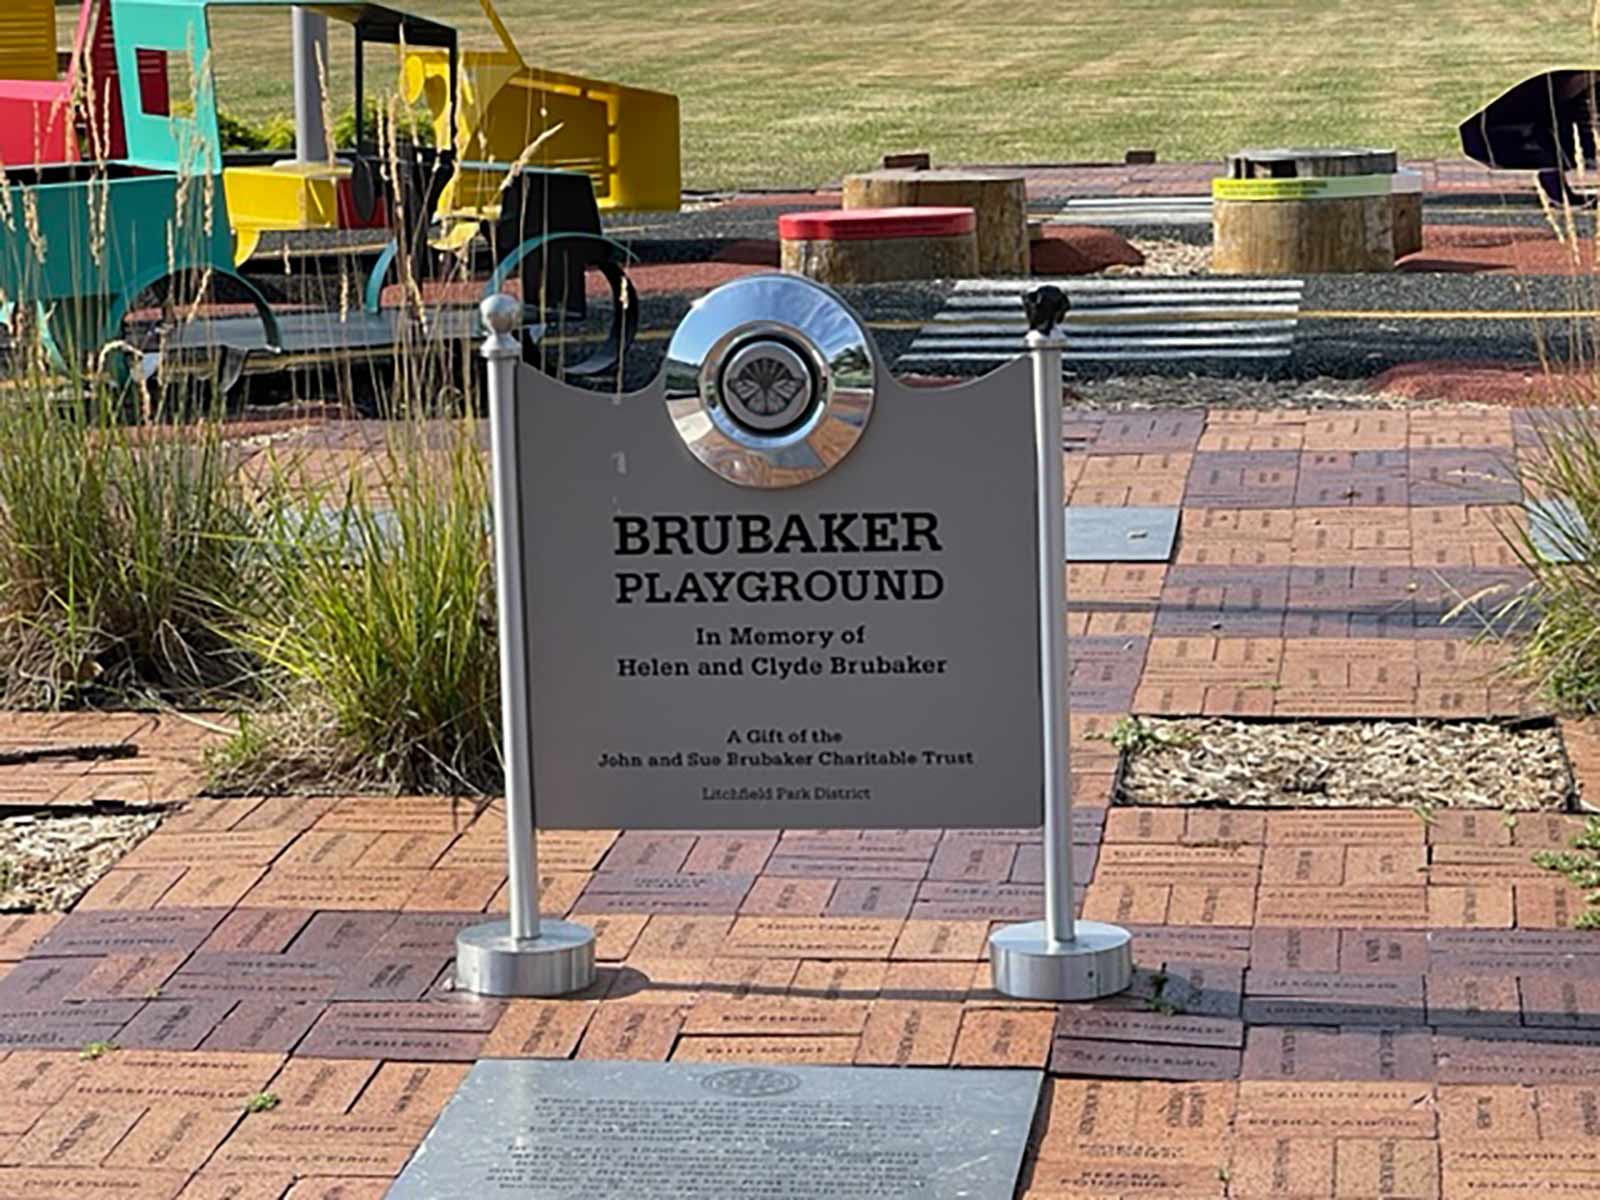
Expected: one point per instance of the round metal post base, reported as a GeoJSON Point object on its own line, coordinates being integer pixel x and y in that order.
{"type": "Point", "coordinates": [490, 962]}
{"type": "Point", "coordinates": [1097, 962]}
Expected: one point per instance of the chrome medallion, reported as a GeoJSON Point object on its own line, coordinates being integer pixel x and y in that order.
{"type": "Point", "coordinates": [770, 381]}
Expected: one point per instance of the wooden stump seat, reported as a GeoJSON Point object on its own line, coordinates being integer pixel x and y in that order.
{"type": "Point", "coordinates": [875, 245]}
{"type": "Point", "coordinates": [1294, 211]}
{"type": "Point", "coordinates": [1407, 199]}
{"type": "Point", "coordinates": [998, 198]}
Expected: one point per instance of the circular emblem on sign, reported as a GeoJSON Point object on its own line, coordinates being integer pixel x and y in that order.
{"type": "Point", "coordinates": [751, 1083]}
{"type": "Point", "coordinates": [770, 381]}
{"type": "Point", "coordinates": [767, 385]}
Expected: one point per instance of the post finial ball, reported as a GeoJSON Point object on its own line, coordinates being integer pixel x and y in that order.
{"type": "Point", "coordinates": [500, 313]}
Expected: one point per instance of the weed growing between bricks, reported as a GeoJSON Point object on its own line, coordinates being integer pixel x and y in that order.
{"type": "Point", "coordinates": [1581, 867]}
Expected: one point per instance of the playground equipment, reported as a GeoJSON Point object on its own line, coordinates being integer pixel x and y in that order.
{"type": "Point", "coordinates": [1546, 124]}
{"type": "Point", "coordinates": [47, 117]}
{"type": "Point", "coordinates": [28, 40]}
{"type": "Point", "coordinates": [46, 120]}
{"type": "Point", "coordinates": [345, 190]}
{"type": "Point", "coordinates": [624, 138]}
{"type": "Point", "coordinates": [80, 249]}
{"type": "Point", "coordinates": [83, 241]}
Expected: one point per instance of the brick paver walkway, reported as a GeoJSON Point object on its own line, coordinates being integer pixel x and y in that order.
{"type": "Point", "coordinates": [1330, 1004]}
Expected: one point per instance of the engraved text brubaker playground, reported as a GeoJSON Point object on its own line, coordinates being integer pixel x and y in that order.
{"type": "Point", "coordinates": [761, 536]}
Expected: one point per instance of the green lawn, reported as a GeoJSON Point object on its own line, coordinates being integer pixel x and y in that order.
{"type": "Point", "coordinates": [801, 91]}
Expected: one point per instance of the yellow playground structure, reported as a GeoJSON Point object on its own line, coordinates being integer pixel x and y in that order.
{"type": "Point", "coordinates": [624, 138]}
{"type": "Point", "coordinates": [28, 39]}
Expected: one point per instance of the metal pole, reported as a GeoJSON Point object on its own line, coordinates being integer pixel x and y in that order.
{"type": "Point", "coordinates": [1058, 958]}
{"type": "Point", "coordinates": [1059, 907]}
{"type": "Point", "coordinates": [501, 352]}
{"type": "Point", "coordinates": [310, 41]}
{"type": "Point", "coordinates": [522, 956]}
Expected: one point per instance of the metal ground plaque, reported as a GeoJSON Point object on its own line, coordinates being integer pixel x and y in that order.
{"type": "Point", "coordinates": [649, 1131]}
{"type": "Point", "coordinates": [1130, 534]}
{"type": "Point", "coordinates": [792, 593]}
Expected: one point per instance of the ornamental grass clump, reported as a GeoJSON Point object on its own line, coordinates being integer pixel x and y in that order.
{"type": "Point", "coordinates": [377, 638]}
{"type": "Point", "coordinates": [124, 547]}
{"type": "Point", "coordinates": [1559, 611]}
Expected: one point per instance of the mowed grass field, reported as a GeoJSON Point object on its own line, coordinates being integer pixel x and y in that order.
{"type": "Point", "coordinates": [797, 92]}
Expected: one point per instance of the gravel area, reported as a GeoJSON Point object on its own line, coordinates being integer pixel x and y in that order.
{"type": "Point", "coordinates": [1352, 327]}
{"type": "Point", "coordinates": [1167, 256]}
{"type": "Point", "coordinates": [1114, 392]}
{"type": "Point", "coordinates": [654, 234]}
{"type": "Point", "coordinates": [49, 859]}
{"type": "Point", "coordinates": [1363, 764]}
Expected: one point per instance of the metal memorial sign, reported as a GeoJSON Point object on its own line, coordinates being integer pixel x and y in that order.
{"type": "Point", "coordinates": [719, 1131]}
{"type": "Point", "coordinates": [777, 587]}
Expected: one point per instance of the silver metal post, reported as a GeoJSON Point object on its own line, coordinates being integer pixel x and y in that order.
{"type": "Point", "coordinates": [310, 42]}
{"type": "Point", "coordinates": [525, 955]}
{"type": "Point", "coordinates": [1059, 958]}
{"type": "Point", "coordinates": [522, 851]}
{"type": "Point", "coordinates": [1045, 349]}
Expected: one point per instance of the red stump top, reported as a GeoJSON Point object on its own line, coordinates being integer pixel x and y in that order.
{"type": "Point", "coordinates": [877, 224]}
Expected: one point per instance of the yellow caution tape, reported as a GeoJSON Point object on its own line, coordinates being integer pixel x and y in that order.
{"type": "Point", "coordinates": [1332, 187]}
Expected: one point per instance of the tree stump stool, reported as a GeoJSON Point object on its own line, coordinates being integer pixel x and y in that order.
{"type": "Point", "coordinates": [998, 198]}
{"type": "Point", "coordinates": [1287, 212]}
{"type": "Point", "coordinates": [875, 245]}
{"type": "Point", "coordinates": [1407, 199]}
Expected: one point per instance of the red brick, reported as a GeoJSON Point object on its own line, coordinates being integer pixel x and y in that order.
{"type": "Point", "coordinates": [1384, 866]}
{"type": "Point", "coordinates": [907, 1033]}
{"type": "Point", "coordinates": [321, 1084]}
{"type": "Point", "coordinates": [775, 1016]}
{"type": "Point", "coordinates": [1127, 903]}
{"type": "Point", "coordinates": [130, 889]}
{"type": "Point", "coordinates": [409, 1091]}
{"type": "Point", "coordinates": [811, 937]}
{"type": "Point", "coordinates": [639, 1032]}
{"type": "Point", "coordinates": [1145, 825]}
{"type": "Point", "coordinates": [72, 1134]}
{"type": "Point", "coordinates": [1211, 904]}
{"type": "Point", "coordinates": [1477, 906]}
{"type": "Point", "coordinates": [1281, 1166]}
{"type": "Point", "coordinates": [821, 1051]}
{"type": "Point", "coordinates": [962, 941]}
{"type": "Point", "coordinates": [1303, 866]}
{"type": "Point", "coordinates": [1548, 905]}
{"type": "Point", "coordinates": [171, 1136]}
{"type": "Point", "coordinates": [1473, 1111]}
{"type": "Point", "coordinates": [787, 897]}
{"type": "Point", "coordinates": [539, 1029]}
{"type": "Point", "coordinates": [1365, 1167]}
{"type": "Point", "coordinates": [1004, 1037]}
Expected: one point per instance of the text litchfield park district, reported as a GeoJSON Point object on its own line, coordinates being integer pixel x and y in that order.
{"type": "Point", "coordinates": [747, 535]}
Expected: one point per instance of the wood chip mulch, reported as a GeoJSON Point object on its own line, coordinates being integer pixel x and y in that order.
{"type": "Point", "coordinates": [48, 859]}
{"type": "Point", "coordinates": [1367, 764]}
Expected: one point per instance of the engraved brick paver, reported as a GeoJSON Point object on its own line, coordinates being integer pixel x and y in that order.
{"type": "Point", "coordinates": [1331, 1003]}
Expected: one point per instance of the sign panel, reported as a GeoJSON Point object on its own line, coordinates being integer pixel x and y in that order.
{"type": "Point", "coordinates": [858, 650]}
{"type": "Point", "coordinates": [720, 1131]}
